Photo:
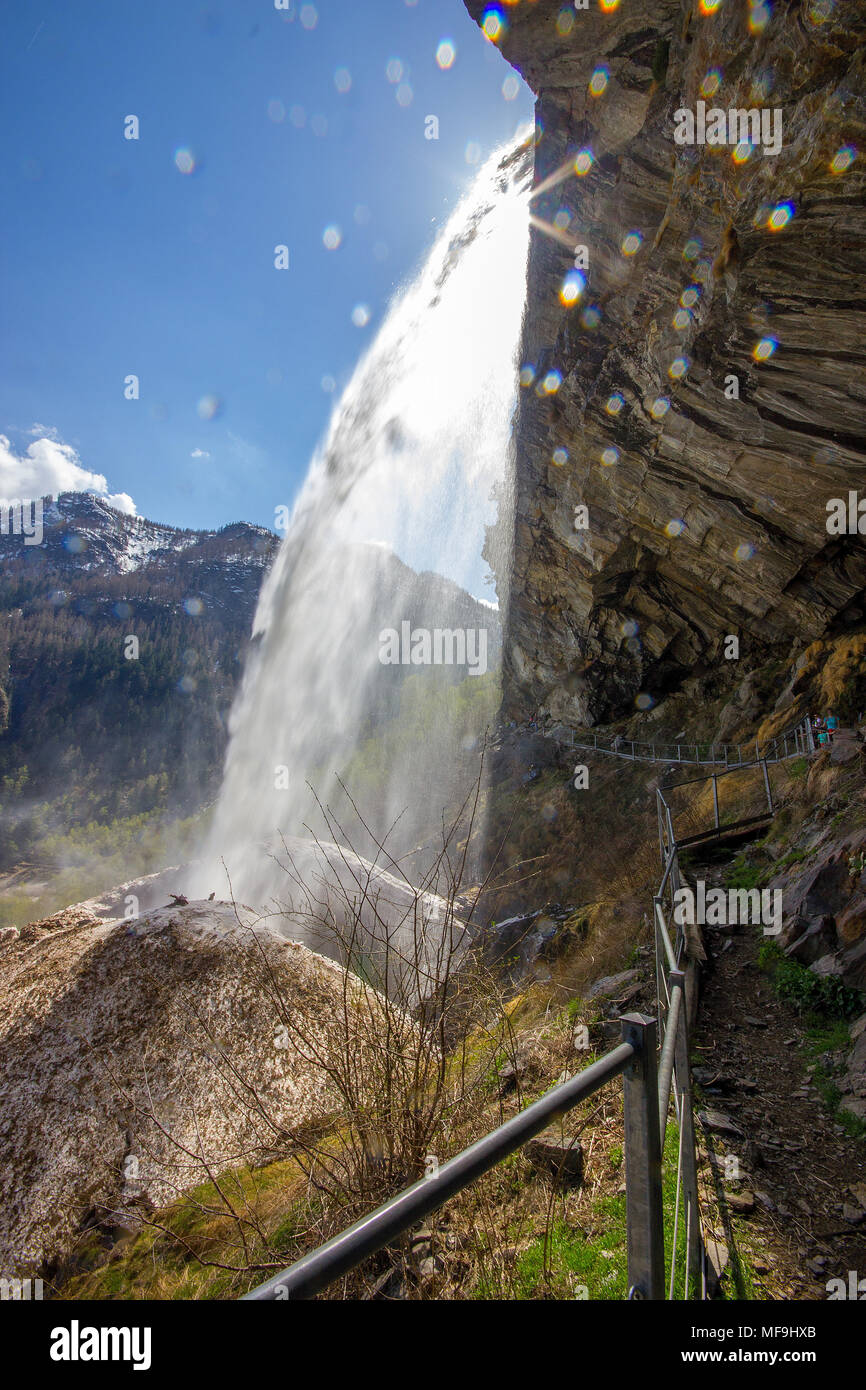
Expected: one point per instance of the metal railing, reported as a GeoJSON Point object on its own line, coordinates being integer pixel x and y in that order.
{"type": "Point", "coordinates": [795, 742]}
{"type": "Point", "coordinates": [635, 1060]}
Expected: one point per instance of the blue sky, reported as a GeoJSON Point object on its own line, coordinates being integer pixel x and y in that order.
{"type": "Point", "coordinates": [116, 262]}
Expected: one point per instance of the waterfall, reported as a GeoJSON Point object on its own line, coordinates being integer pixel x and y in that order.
{"type": "Point", "coordinates": [386, 538]}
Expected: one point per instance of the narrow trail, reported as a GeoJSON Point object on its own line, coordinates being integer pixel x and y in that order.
{"type": "Point", "coordinates": [796, 1164]}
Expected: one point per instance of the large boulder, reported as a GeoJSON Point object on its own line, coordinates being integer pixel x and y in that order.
{"type": "Point", "coordinates": [132, 1053]}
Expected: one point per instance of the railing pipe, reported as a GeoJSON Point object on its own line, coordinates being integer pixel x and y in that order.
{"type": "Point", "coordinates": [643, 1162]}
{"type": "Point", "coordinates": [308, 1276]}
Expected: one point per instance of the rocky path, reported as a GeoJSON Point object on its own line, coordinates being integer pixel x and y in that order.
{"type": "Point", "coordinates": [798, 1210]}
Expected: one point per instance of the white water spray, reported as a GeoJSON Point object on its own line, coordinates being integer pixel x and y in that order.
{"type": "Point", "coordinates": [415, 448]}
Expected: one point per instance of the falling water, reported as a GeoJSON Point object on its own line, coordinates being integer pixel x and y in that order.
{"type": "Point", "coordinates": [403, 483]}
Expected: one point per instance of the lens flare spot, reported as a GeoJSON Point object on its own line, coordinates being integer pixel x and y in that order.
{"type": "Point", "coordinates": [551, 382]}
{"type": "Point", "coordinates": [598, 81]}
{"type": "Point", "coordinates": [643, 701]}
{"type": "Point", "coordinates": [692, 249]}
{"type": "Point", "coordinates": [209, 407]}
{"type": "Point", "coordinates": [631, 243]}
{"type": "Point", "coordinates": [446, 53]}
{"type": "Point", "coordinates": [759, 18]}
{"type": "Point", "coordinates": [309, 16]}
{"type": "Point", "coordinates": [560, 457]}
{"type": "Point", "coordinates": [843, 159]}
{"type": "Point", "coordinates": [678, 368]}
{"type": "Point", "coordinates": [675, 527]}
{"type": "Point", "coordinates": [615, 403]}
{"type": "Point", "coordinates": [562, 218]}
{"type": "Point", "coordinates": [690, 296]}
{"type": "Point", "coordinates": [565, 21]}
{"type": "Point", "coordinates": [660, 407]}
{"type": "Point", "coordinates": [527, 374]}
{"type": "Point", "coordinates": [276, 112]}
{"type": "Point", "coordinates": [608, 6]}
{"type": "Point", "coordinates": [184, 160]}
{"type": "Point", "coordinates": [711, 83]}
{"type": "Point", "coordinates": [780, 216]}
{"type": "Point", "coordinates": [332, 236]}
{"type": "Point", "coordinates": [610, 456]}
{"type": "Point", "coordinates": [394, 71]}
{"type": "Point", "coordinates": [361, 315]}
{"type": "Point", "coordinates": [764, 349]}
{"type": "Point", "coordinates": [510, 87]}
{"type": "Point", "coordinates": [328, 384]}
{"type": "Point", "coordinates": [710, 6]}
{"type": "Point", "coordinates": [572, 287]}
{"type": "Point", "coordinates": [583, 162]}
{"type": "Point", "coordinates": [193, 607]}
{"type": "Point", "coordinates": [343, 80]}
{"type": "Point", "coordinates": [744, 552]}
{"type": "Point", "coordinates": [742, 152]}
{"type": "Point", "coordinates": [493, 23]}
{"type": "Point", "coordinates": [472, 153]}
{"type": "Point", "coordinates": [591, 317]}
{"type": "Point", "coordinates": [681, 319]}
{"type": "Point", "coordinates": [298, 117]}
{"type": "Point", "coordinates": [404, 94]}
{"type": "Point", "coordinates": [820, 12]}
{"type": "Point", "coordinates": [629, 628]}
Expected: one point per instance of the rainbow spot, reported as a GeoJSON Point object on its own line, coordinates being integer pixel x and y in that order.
{"type": "Point", "coordinates": [615, 403]}
{"type": "Point", "coordinates": [742, 151]}
{"type": "Point", "coordinates": [629, 628]}
{"type": "Point", "coordinates": [551, 383]}
{"type": "Point", "coordinates": [764, 349]}
{"type": "Point", "coordinates": [631, 243]}
{"type": "Point", "coordinates": [184, 160]}
{"type": "Point", "coordinates": [583, 162]}
{"type": "Point", "coordinates": [711, 83]}
{"type": "Point", "coordinates": [598, 82]}
{"type": "Point", "coordinates": [843, 159]}
{"type": "Point", "coordinates": [681, 319]}
{"type": "Point", "coordinates": [678, 368]}
{"type": "Point", "coordinates": [690, 296]}
{"type": "Point", "coordinates": [692, 249]}
{"type": "Point", "coordinates": [572, 287]}
{"type": "Point", "coordinates": [527, 375]}
{"type": "Point", "coordinates": [493, 23]}
{"type": "Point", "coordinates": [445, 54]}
{"type": "Point", "coordinates": [565, 21]}
{"type": "Point", "coordinates": [780, 216]}
{"type": "Point", "coordinates": [560, 457]}
{"type": "Point", "coordinates": [710, 6]}
{"type": "Point", "coordinates": [643, 701]}
{"type": "Point", "coordinates": [660, 407]}
{"type": "Point", "coordinates": [675, 527]}
{"type": "Point", "coordinates": [591, 316]}
{"type": "Point", "coordinates": [744, 551]}
{"type": "Point", "coordinates": [610, 456]}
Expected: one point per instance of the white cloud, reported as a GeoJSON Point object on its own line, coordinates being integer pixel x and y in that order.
{"type": "Point", "coordinates": [199, 454]}
{"type": "Point", "coordinates": [48, 468]}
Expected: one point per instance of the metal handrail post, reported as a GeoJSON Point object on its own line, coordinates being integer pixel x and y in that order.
{"type": "Point", "coordinates": [643, 1162]}
{"type": "Point", "coordinates": [767, 787]}
{"type": "Point", "coordinates": [682, 1073]}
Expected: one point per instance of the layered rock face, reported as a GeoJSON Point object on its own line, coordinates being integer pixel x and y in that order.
{"type": "Point", "coordinates": [712, 397]}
